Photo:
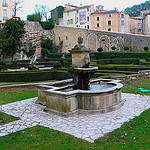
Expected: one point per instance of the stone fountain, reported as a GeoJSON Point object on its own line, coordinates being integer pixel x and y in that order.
{"type": "Point", "coordinates": [80, 95]}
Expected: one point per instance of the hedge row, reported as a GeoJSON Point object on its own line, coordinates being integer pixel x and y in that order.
{"type": "Point", "coordinates": [105, 55]}
{"type": "Point", "coordinates": [30, 76]}
{"type": "Point", "coordinates": [117, 61]}
{"type": "Point", "coordinates": [54, 55]}
{"type": "Point", "coordinates": [123, 68]}
{"type": "Point", "coordinates": [144, 62]}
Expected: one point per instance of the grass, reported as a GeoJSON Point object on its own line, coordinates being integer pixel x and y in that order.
{"type": "Point", "coordinates": [132, 87]}
{"type": "Point", "coordinates": [4, 118]}
{"type": "Point", "coordinates": [8, 97]}
{"type": "Point", "coordinates": [132, 135]}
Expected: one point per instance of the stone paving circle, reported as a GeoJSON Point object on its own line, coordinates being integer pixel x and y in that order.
{"type": "Point", "coordinates": [85, 126]}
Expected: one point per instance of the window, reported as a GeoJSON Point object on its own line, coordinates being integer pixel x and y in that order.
{"type": "Point", "coordinates": [87, 9]}
{"type": "Point", "coordinates": [66, 37]}
{"type": "Point", "coordinates": [122, 23]}
{"type": "Point", "coordinates": [109, 29]}
{"type": "Point", "coordinates": [59, 38]}
{"type": "Point", "coordinates": [139, 30]}
{"type": "Point", "coordinates": [71, 21]}
{"type": "Point", "coordinates": [97, 18]}
{"type": "Point", "coordinates": [98, 25]}
{"type": "Point", "coordinates": [109, 22]}
{"type": "Point", "coordinates": [139, 20]}
{"type": "Point", "coordinates": [88, 18]}
{"type": "Point", "coordinates": [122, 30]}
{"type": "Point", "coordinates": [4, 14]}
{"type": "Point", "coordinates": [122, 15]}
{"type": "Point", "coordinates": [68, 21]}
{"type": "Point", "coordinates": [138, 24]}
{"type": "Point", "coordinates": [109, 15]}
{"type": "Point", "coordinates": [4, 3]}
{"type": "Point", "coordinates": [67, 13]}
{"type": "Point", "coordinates": [88, 26]}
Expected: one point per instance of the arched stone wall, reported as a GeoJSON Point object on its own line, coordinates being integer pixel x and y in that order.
{"type": "Point", "coordinates": [104, 42]}
{"type": "Point", "coordinates": [83, 36]}
{"type": "Point", "coordinates": [92, 41]}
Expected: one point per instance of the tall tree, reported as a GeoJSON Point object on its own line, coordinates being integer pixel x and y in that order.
{"type": "Point", "coordinates": [136, 9]}
{"type": "Point", "coordinates": [43, 11]}
{"type": "Point", "coordinates": [34, 17]}
{"type": "Point", "coordinates": [12, 33]}
{"type": "Point", "coordinates": [16, 6]}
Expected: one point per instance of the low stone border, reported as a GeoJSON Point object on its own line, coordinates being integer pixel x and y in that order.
{"type": "Point", "coordinates": [143, 74]}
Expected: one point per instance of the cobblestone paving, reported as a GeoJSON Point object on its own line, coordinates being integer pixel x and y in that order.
{"type": "Point", "coordinates": [85, 126]}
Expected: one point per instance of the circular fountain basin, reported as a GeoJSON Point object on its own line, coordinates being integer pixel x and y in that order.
{"type": "Point", "coordinates": [104, 95]}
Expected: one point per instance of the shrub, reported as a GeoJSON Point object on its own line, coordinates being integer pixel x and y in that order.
{"type": "Point", "coordinates": [92, 56]}
{"type": "Point", "coordinates": [146, 48]}
{"type": "Point", "coordinates": [100, 49]}
{"type": "Point", "coordinates": [69, 59]}
{"type": "Point", "coordinates": [112, 56]}
{"type": "Point", "coordinates": [126, 48]}
{"type": "Point", "coordinates": [2, 65]}
{"type": "Point", "coordinates": [67, 55]}
{"type": "Point", "coordinates": [57, 65]}
{"type": "Point", "coordinates": [113, 47]}
{"type": "Point", "coordinates": [54, 55]}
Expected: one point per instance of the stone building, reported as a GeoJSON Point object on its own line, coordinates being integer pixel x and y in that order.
{"type": "Point", "coordinates": [136, 25]}
{"type": "Point", "coordinates": [5, 10]}
{"type": "Point", "coordinates": [146, 22]}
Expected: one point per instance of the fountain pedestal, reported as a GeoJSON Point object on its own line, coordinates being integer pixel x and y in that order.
{"type": "Point", "coordinates": [81, 65]}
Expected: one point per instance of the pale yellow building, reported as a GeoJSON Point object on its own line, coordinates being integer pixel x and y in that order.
{"type": "Point", "coordinates": [5, 10]}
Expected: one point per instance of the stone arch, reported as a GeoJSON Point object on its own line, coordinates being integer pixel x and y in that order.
{"type": "Point", "coordinates": [92, 41]}
{"type": "Point", "coordinates": [118, 43]}
{"type": "Point", "coordinates": [104, 42]}
{"type": "Point", "coordinates": [82, 35]}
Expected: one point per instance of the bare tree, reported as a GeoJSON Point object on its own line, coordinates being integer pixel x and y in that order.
{"type": "Point", "coordinates": [43, 11]}
{"type": "Point", "coordinates": [16, 6]}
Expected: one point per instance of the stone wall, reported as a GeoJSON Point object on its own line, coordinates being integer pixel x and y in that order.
{"type": "Point", "coordinates": [94, 39]}
{"type": "Point", "coordinates": [34, 33]}
{"type": "Point", "coordinates": [143, 74]}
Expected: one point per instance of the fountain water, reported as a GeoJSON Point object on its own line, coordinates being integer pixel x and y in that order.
{"type": "Point", "coordinates": [67, 97]}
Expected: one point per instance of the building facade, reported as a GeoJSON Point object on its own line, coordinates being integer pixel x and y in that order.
{"type": "Point", "coordinates": [136, 25]}
{"type": "Point", "coordinates": [146, 22]}
{"type": "Point", "coordinates": [5, 10]}
{"type": "Point", "coordinates": [110, 21]}
{"type": "Point", "coordinates": [74, 16]}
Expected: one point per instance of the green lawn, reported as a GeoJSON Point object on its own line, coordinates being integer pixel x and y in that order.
{"type": "Point", "coordinates": [8, 97]}
{"type": "Point", "coordinates": [132, 87]}
{"type": "Point", "coordinates": [4, 118]}
{"type": "Point", "coordinates": [132, 135]}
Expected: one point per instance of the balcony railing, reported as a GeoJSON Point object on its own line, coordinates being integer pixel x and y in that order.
{"type": "Point", "coordinates": [5, 4]}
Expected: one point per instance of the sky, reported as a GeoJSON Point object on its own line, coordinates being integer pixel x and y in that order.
{"type": "Point", "coordinates": [28, 5]}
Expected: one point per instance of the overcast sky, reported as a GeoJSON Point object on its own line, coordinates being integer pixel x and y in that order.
{"type": "Point", "coordinates": [28, 5]}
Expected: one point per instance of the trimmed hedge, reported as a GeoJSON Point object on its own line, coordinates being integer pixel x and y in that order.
{"type": "Point", "coordinates": [117, 61]}
{"type": "Point", "coordinates": [54, 55]}
{"type": "Point", "coordinates": [105, 55]}
{"type": "Point", "coordinates": [144, 62]}
{"type": "Point", "coordinates": [29, 76]}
